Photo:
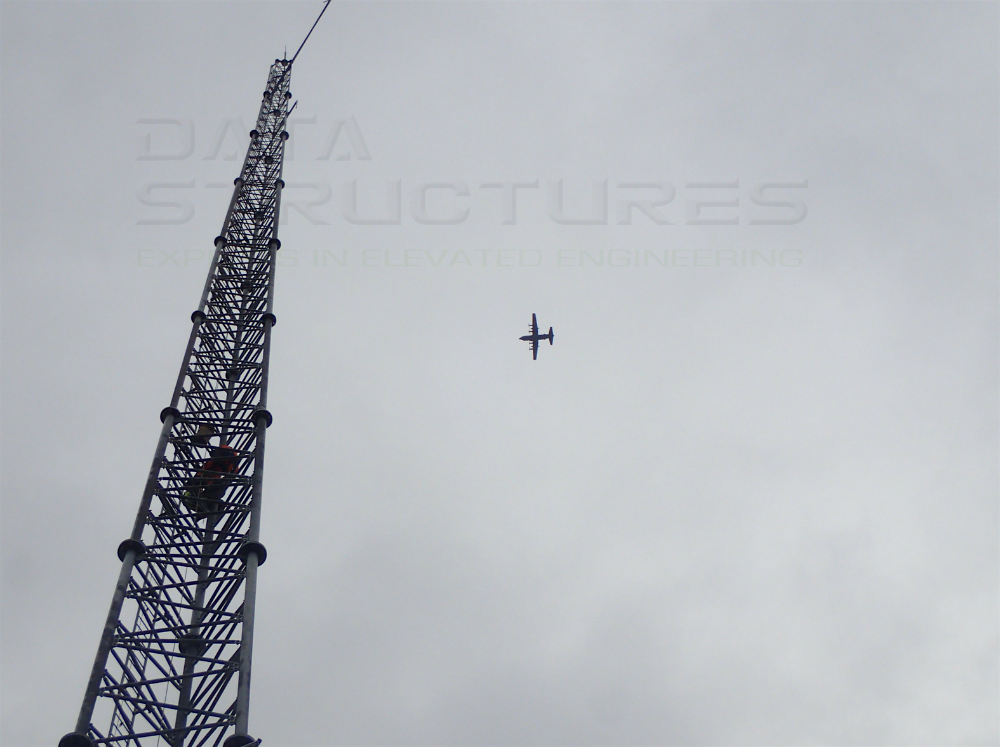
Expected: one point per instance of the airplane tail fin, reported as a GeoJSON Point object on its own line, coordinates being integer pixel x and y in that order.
{"type": "Point", "coordinates": [552, 337]}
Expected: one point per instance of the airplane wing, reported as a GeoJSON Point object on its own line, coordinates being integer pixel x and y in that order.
{"type": "Point", "coordinates": [534, 325]}
{"type": "Point", "coordinates": [534, 350]}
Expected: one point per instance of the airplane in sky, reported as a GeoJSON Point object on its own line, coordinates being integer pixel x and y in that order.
{"type": "Point", "coordinates": [534, 338]}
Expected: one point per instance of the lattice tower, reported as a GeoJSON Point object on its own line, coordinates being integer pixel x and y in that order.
{"type": "Point", "coordinates": [173, 664]}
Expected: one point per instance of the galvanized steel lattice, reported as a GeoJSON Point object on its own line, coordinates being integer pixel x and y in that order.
{"type": "Point", "coordinates": [173, 665]}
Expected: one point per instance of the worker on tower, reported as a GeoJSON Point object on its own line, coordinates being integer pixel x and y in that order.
{"type": "Point", "coordinates": [204, 491]}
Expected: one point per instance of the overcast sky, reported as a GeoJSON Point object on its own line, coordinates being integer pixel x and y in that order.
{"type": "Point", "coordinates": [746, 498]}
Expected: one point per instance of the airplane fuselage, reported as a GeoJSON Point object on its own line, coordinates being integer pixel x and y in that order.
{"type": "Point", "coordinates": [534, 338]}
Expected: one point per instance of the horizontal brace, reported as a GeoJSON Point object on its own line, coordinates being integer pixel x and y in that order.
{"type": "Point", "coordinates": [164, 706]}
{"type": "Point", "coordinates": [134, 737]}
{"type": "Point", "coordinates": [223, 663]}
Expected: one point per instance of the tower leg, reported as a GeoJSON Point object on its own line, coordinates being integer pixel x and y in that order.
{"type": "Point", "coordinates": [252, 560]}
{"type": "Point", "coordinates": [191, 643]}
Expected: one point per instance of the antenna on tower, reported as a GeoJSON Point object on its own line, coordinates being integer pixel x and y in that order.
{"type": "Point", "coordinates": [325, 6]}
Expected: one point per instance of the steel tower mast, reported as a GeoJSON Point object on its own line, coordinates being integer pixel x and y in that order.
{"type": "Point", "coordinates": [173, 663]}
